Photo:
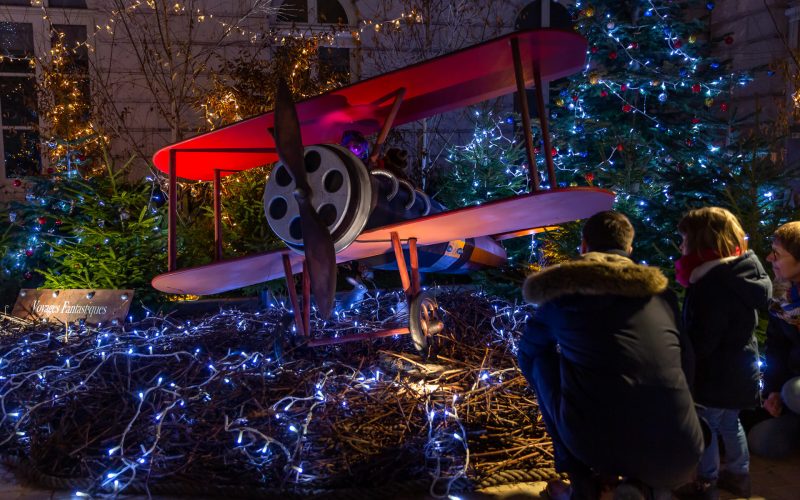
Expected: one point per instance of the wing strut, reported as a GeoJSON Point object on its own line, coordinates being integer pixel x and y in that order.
{"type": "Point", "coordinates": [533, 173]}
{"type": "Point", "coordinates": [376, 148]}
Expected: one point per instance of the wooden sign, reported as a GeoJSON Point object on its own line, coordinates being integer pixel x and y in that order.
{"type": "Point", "coordinates": [92, 306]}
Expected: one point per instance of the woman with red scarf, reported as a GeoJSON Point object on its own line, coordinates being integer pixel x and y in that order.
{"type": "Point", "coordinates": [725, 286]}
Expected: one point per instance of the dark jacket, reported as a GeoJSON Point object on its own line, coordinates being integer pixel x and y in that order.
{"type": "Point", "coordinates": [625, 404]}
{"type": "Point", "coordinates": [783, 354]}
{"type": "Point", "coordinates": [720, 316]}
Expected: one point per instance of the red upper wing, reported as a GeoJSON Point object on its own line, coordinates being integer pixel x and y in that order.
{"type": "Point", "coordinates": [446, 83]}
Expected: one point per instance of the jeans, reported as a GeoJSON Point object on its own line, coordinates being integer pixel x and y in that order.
{"type": "Point", "coordinates": [725, 425]}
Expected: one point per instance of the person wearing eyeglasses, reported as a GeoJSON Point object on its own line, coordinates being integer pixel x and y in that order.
{"type": "Point", "coordinates": [779, 435]}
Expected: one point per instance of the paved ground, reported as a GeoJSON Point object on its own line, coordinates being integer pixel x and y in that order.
{"type": "Point", "coordinates": [772, 480]}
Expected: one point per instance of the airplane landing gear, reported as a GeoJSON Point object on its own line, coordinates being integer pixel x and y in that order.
{"type": "Point", "coordinates": [424, 324]}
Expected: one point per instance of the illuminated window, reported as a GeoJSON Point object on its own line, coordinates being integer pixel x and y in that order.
{"type": "Point", "coordinates": [18, 116]}
{"type": "Point", "coordinates": [312, 11]}
{"type": "Point", "coordinates": [293, 11]}
{"type": "Point", "coordinates": [68, 4]}
{"type": "Point", "coordinates": [333, 61]}
{"type": "Point", "coordinates": [75, 42]}
{"type": "Point", "coordinates": [330, 12]}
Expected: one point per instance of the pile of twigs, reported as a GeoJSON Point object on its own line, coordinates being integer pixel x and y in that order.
{"type": "Point", "coordinates": [235, 399]}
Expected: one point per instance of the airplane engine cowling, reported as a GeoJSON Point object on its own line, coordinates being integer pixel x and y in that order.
{"type": "Point", "coordinates": [347, 196]}
{"type": "Point", "coordinates": [397, 200]}
{"type": "Point", "coordinates": [351, 199]}
{"type": "Point", "coordinates": [341, 193]}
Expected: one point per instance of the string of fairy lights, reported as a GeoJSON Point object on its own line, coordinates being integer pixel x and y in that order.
{"type": "Point", "coordinates": [325, 32]}
{"type": "Point", "coordinates": [273, 416]}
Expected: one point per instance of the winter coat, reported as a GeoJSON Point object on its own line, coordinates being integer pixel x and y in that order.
{"type": "Point", "coordinates": [720, 316]}
{"type": "Point", "coordinates": [625, 406]}
{"type": "Point", "coordinates": [782, 353]}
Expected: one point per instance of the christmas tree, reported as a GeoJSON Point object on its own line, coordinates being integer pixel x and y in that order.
{"type": "Point", "coordinates": [76, 231]}
{"type": "Point", "coordinates": [489, 167]}
{"type": "Point", "coordinates": [651, 118]}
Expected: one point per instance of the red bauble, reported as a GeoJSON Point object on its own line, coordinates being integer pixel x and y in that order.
{"type": "Point", "coordinates": [589, 177]}
{"type": "Point", "coordinates": [42, 221]}
{"type": "Point", "coordinates": [603, 93]}
{"type": "Point", "coordinates": [29, 252]}
{"type": "Point", "coordinates": [574, 97]}
{"type": "Point", "coordinates": [612, 55]}
{"type": "Point", "coordinates": [554, 151]}
{"type": "Point", "coordinates": [677, 44]}
{"type": "Point", "coordinates": [537, 150]}
{"type": "Point", "coordinates": [728, 40]}
{"type": "Point", "coordinates": [17, 183]}
{"type": "Point", "coordinates": [620, 147]}
{"type": "Point", "coordinates": [723, 106]}
{"type": "Point", "coordinates": [696, 88]}
{"type": "Point", "coordinates": [623, 87]}
{"type": "Point", "coordinates": [695, 120]}
{"type": "Point", "coordinates": [594, 49]}
{"type": "Point", "coordinates": [58, 222]}
{"type": "Point", "coordinates": [633, 45]}
{"type": "Point", "coordinates": [627, 108]}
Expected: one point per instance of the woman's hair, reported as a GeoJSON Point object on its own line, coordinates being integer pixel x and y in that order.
{"type": "Point", "coordinates": [788, 236]}
{"type": "Point", "coordinates": [712, 228]}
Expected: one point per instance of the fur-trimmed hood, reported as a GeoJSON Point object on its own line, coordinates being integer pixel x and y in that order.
{"type": "Point", "coordinates": [594, 273]}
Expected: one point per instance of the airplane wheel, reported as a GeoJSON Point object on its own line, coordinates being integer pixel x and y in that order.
{"type": "Point", "coordinates": [424, 322]}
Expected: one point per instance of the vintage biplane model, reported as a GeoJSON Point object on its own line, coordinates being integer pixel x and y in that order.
{"type": "Point", "coordinates": [329, 207]}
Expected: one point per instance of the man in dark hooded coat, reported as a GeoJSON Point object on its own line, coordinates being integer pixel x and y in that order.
{"type": "Point", "coordinates": [606, 359]}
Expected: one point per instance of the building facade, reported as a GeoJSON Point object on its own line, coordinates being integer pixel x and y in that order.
{"type": "Point", "coordinates": [148, 61]}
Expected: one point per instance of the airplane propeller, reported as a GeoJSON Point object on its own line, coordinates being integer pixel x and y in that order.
{"type": "Point", "coordinates": [317, 242]}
